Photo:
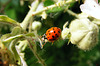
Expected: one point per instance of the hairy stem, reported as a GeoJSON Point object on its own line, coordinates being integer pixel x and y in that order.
{"type": "Point", "coordinates": [60, 3]}
{"type": "Point", "coordinates": [30, 25]}
{"type": "Point", "coordinates": [34, 51]}
{"type": "Point", "coordinates": [29, 15]}
{"type": "Point", "coordinates": [72, 13]}
{"type": "Point", "coordinates": [40, 60]}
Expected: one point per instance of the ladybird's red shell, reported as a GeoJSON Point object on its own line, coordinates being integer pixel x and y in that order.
{"type": "Point", "coordinates": [53, 34]}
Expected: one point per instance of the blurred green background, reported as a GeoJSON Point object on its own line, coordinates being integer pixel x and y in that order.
{"type": "Point", "coordinates": [60, 53]}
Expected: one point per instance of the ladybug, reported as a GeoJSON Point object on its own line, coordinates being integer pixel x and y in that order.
{"type": "Point", "coordinates": [51, 34]}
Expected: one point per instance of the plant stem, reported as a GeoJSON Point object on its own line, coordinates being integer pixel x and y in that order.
{"type": "Point", "coordinates": [29, 15]}
{"type": "Point", "coordinates": [72, 13]}
{"type": "Point", "coordinates": [34, 51]}
{"type": "Point", "coordinates": [60, 3]}
{"type": "Point", "coordinates": [40, 60]}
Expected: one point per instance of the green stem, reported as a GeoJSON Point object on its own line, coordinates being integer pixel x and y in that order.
{"type": "Point", "coordinates": [30, 25]}
{"type": "Point", "coordinates": [60, 3]}
{"type": "Point", "coordinates": [72, 13]}
{"type": "Point", "coordinates": [13, 37]}
{"type": "Point", "coordinates": [34, 51]}
{"type": "Point", "coordinates": [29, 15]}
{"type": "Point", "coordinates": [40, 60]}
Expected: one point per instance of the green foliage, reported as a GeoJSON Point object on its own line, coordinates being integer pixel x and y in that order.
{"type": "Point", "coordinates": [48, 2]}
{"type": "Point", "coordinates": [4, 19]}
{"type": "Point", "coordinates": [60, 53]}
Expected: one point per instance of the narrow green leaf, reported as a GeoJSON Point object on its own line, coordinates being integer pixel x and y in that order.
{"type": "Point", "coordinates": [7, 38]}
{"type": "Point", "coordinates": [6, 20]}
{"type": "Point", "coordinates": [14, 51]}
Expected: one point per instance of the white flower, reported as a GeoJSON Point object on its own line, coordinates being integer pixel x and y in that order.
{"type": "Point", "coordinates": [92, 8]}
{"type": "Point", "coordinates": [84, 33]}
{"type": "Point", "coordinates": [40, 6]}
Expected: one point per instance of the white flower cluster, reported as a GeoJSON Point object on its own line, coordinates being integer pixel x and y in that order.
{"type": "Point", "coordinates": [82, 32]}
{"type": "Point", "coordinates": [92, 8]}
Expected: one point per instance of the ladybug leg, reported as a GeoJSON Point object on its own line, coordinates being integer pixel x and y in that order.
{"type": "Point", "coordinates": [44, 44]}
{"type": "Point", "coordinates": [41, 36]}
{"type": "Point", "coordinates": [52, 42]}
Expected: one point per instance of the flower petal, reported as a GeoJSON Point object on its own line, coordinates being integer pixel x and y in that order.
{"type": "Point", "coordinates": [92, 8]}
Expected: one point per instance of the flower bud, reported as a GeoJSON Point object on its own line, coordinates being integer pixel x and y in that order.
{"type": "Point", "coordinates": [65, 33]}
{"type": "Point", "coordinates": [36, 25]}
{"type": "Point", "coordinates": [84, 33]}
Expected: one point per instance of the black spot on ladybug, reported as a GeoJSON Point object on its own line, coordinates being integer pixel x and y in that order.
{"type": "Point", "coordinates": [58, 31]}
{"type": "Point", "coordinates": [57, 35]}
{"type": "Point", "coordinates": [54, 31]}
{"type": "Point", "coordinates": [48, 30]}
{"type": "Point", "coordinates": [53, 28]}
{"type": "Point", "coordinates": [52, 36]}
{"type": "Point", "coordinates": [47, 37]}
{"type": "Point", "coordinates": [51, 39]}
{"type": "Point", "coordinates": [49, 33]}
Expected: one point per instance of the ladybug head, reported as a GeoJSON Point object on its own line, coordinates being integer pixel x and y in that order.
{"type": "Point", "coordinates": [44, 38]}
